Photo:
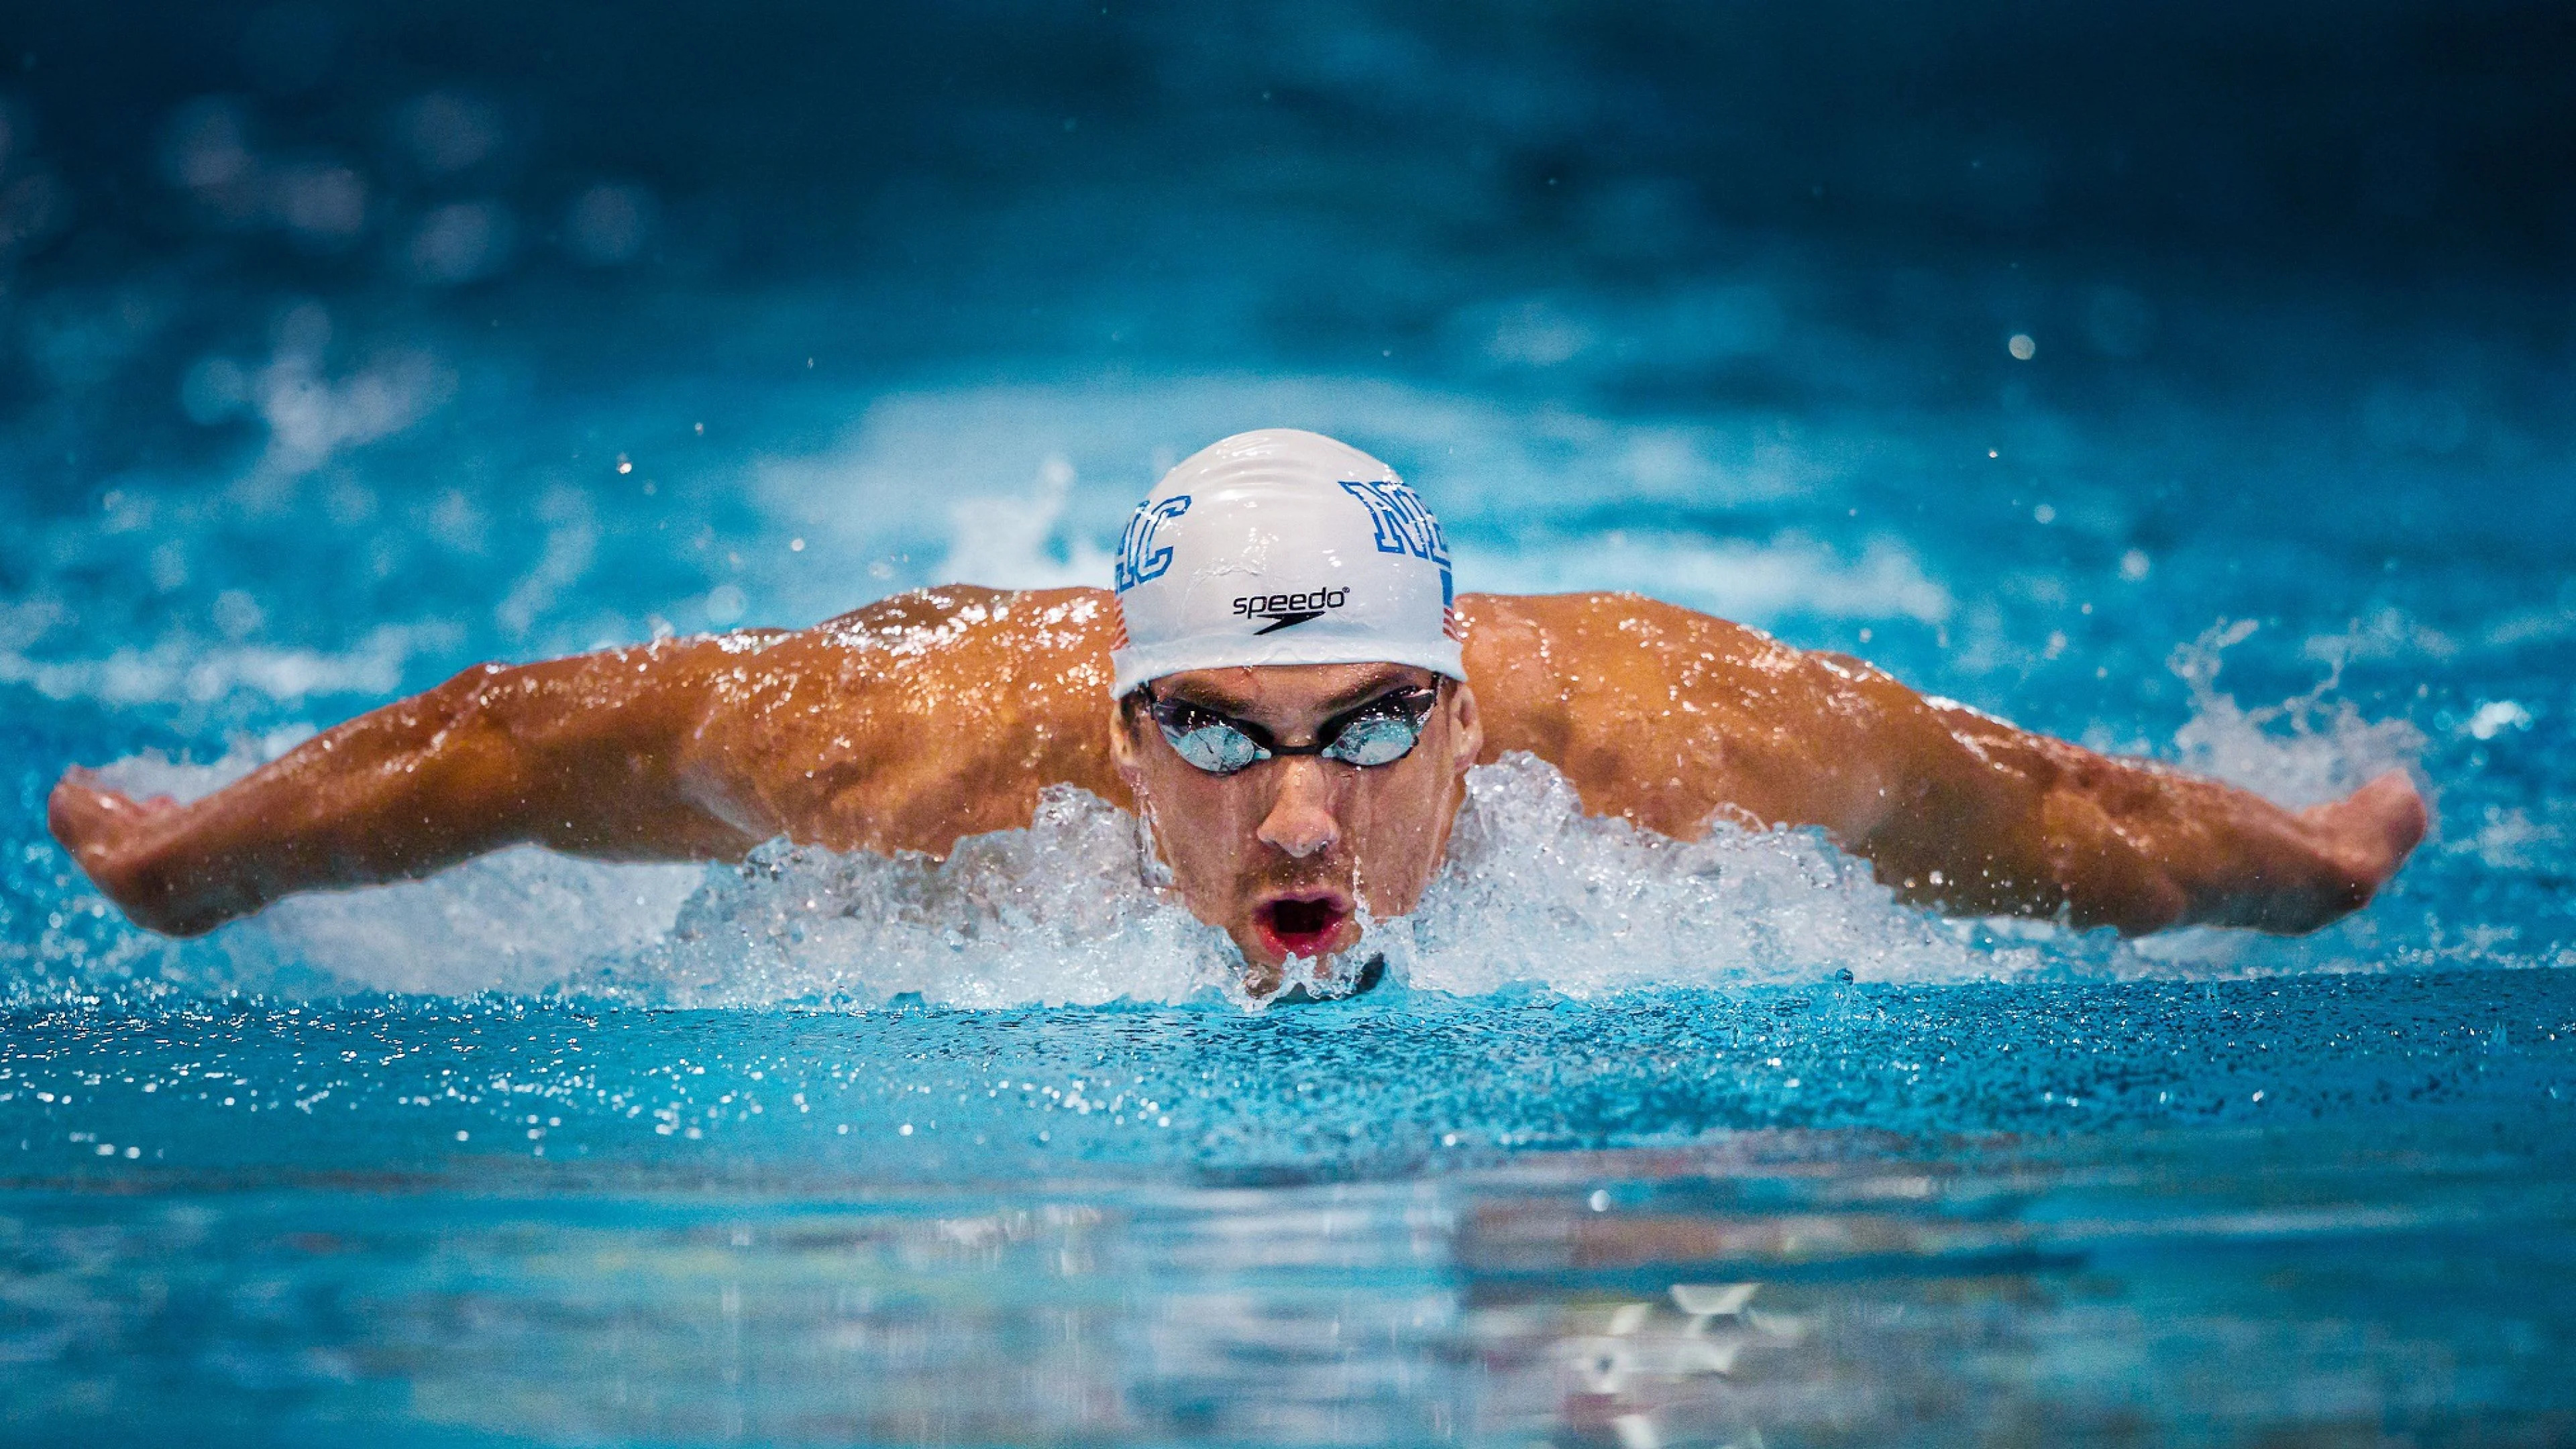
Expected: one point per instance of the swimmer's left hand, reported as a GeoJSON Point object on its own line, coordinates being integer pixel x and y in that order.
{"type": "Point", "coordinates": [2369, 833]}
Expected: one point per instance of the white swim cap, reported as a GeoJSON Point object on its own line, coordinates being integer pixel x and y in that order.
{"type": "Point", "coordinates": [1282, 547]}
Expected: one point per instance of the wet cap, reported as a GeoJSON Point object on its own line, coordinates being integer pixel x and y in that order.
{"type": "Point", "coordinates": [1282, 547]}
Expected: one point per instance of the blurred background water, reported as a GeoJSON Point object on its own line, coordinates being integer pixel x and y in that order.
{"type": "Point", "coordinates": [2190, 381]}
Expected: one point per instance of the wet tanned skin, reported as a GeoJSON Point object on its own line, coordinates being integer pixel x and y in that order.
{"type": "Point", "coordinates": [1284, 854]}
{"type": "Point", "coordinates": [940, 714]}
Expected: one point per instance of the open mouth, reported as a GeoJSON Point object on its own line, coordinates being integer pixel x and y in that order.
{"type": "Point", "coordinates": [1301, 925]}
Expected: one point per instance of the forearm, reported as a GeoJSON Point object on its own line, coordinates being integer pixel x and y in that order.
{"type": "Point", "coordinates": [580, 755]}
{"type": "Point", "coordinates": [398, 793]}
{"type": "Point", "coordinates": [2040, 827]}
{"type": "Point", "coordinates": [2143, 849]}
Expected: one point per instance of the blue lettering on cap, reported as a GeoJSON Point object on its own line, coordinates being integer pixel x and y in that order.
{"type": "Point", "coordinates": [1138, 559]}
{"type": "Point", "coordinates": [1403, 524]}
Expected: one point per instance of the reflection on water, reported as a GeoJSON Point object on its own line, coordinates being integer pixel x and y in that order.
{"type": "Point", "coordinates": [1849, 1214]}
{"type": "Point", "coordinates": [1642, 1374]}
{"type": "Point", "coordinates": [1771, 1291]}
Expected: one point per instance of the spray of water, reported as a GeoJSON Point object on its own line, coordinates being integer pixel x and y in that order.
{"type": "Point", "coordinates": [1536, 894]}
{"type": "Point", "coordinates": [2307, 749]}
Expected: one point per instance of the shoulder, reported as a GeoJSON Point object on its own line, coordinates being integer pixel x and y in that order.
{"type": "Point", "coordinates": [955, 647]}
{"type": "Point", "coordinates": [1604, 612]}
{"type": "Point", "coordinates": [1566, 668]}
{"type": "Point", "coordinates": [1589, 642]}
{"type": "Point", "coordinates": [920, 717]}
{"type": "Point", "coordinates": [963, 627]}
{"type": "Point", "coordinates": [1671, 717]}
{"type": "Point", "coordinates": [971, 613]}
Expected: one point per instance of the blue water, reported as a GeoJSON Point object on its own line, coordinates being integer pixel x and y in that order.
{"type": "Point", "coordinates": [2184, 1210]}
{"type": "Point", "coordinates": [345, 348]}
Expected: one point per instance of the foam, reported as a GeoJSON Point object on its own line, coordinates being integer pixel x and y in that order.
{"type": "Point", "coordinates": [155, 772]}
{"type": "Point", "coordinates": [2307, 749]}
{"type": "Point", "coordinates": [1013, 542]}
{"type": "Point", "coordinates": [1536, 894]}
{"type": "Point", "coordinates": [1033, 483]}
{"type": "Point", "coordinates": [523, 920]}
{"type": "Point", "coordinates": [1790, 576]}
{"type": "Point", "coordinates": [1054, 914]}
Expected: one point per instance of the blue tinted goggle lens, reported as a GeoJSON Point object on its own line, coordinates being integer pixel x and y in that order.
{"type": "Point", "coordinates": [1218, 748]}
{"type": "Point", "coordinates": [1380, 732]}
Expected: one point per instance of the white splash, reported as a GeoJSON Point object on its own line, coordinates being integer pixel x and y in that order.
{"type": "Point", "coordinates": [1057, 913]}
{"type": "Point", "coordinates": [1536, 892]}
{"type": "Point", "coordinates": [873, 504]}
{"type": "Point", "coordinates": [1011, 543]}
{"type": "Point", "coordinates": [2302, 751]}
{"type": "Point", "coordinates": [154, 772]}
{"type": "Point", "coordinates": [523, 920]}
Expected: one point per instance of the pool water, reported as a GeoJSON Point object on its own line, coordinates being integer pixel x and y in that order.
{"type": "Point", "coordinates": [2327, 1204]}
{"type": "Point", "coordinates": [1641, 1142]}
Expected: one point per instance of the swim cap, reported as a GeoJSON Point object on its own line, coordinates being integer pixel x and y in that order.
{"type": "Point", "coordinates": [1282, 547]}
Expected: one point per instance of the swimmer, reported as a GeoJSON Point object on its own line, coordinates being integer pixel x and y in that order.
{"type": "Point", "coordinates": [1285, 691]}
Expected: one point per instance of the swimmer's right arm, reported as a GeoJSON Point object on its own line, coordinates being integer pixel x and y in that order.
{"type": "Point", "coordinates": [587, 755]}
{"type": "Point", "coordinates": [904, 725]}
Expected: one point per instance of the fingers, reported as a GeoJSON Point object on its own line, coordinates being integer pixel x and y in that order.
{"type": "Point", "coordinates": [2403, 814]}
{"type": "Point", "coordinates": [2365, 836]}
{"type": "Point", "coordinates": [111, 837]}
{"type": "Point", "coordinates": [82, 816]}
{"type": "Point", "coordinates": [2378, 825]}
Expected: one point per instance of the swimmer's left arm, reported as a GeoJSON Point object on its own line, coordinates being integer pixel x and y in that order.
{"type": "Point", "coordinates": [1990, 819]}
{"type": "Point", "coordinates": [1676, 720]}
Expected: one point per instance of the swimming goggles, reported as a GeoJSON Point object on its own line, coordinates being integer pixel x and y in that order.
{"type": "Point", "coordinates": [1380, 732]}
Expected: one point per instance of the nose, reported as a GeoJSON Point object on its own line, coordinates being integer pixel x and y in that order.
{"type": "Point", "coordinates": [1301, 820]}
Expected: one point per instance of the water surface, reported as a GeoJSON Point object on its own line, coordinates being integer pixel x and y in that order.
{"type": "Point", "coordinates": [2065, 372]}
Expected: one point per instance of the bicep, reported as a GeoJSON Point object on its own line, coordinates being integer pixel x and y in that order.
{"type": "Point", "coordinates": [601, 749]}
{"type": "Point", "coordinates": [1676, 720]}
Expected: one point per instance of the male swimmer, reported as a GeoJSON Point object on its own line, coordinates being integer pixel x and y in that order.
{"type": "Point", "coordinates": [1284, 688]}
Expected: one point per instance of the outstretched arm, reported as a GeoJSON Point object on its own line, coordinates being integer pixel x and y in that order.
{"type": "Point", "coordinates": [2124, 843]}
{"type": "Point", "coordinates": [585, 755]}
{"type": "Point", "coordinates": [902, 726]}
{"type": "Point", "coordinates": [1674, 719]}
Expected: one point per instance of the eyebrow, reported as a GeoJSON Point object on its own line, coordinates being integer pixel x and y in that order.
{"type": "Point", "coordinates": [1358, 694]}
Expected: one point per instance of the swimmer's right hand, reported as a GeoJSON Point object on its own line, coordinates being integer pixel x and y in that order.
{"type": "Point", "coordinates": [123, 845]}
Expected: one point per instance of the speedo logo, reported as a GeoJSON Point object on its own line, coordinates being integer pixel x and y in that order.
{"type": "Point", "coordinates": [1287, 611]}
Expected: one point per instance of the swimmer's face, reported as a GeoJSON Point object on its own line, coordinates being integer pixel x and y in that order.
{"type": "Point", "coordinates": [1280, 854]}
